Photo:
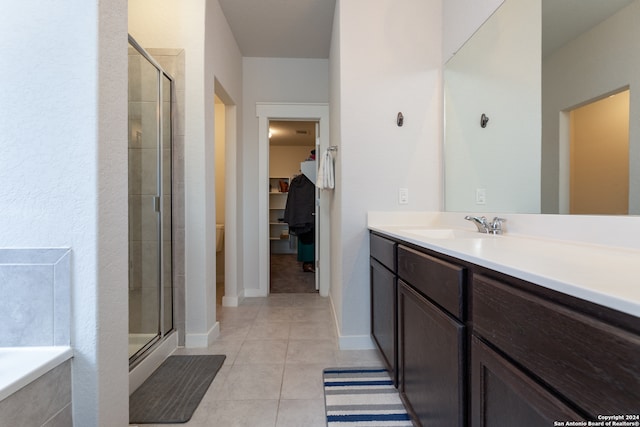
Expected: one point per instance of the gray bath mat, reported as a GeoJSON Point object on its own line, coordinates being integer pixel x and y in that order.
{"type": "Point", "coordinates": [172, 393]}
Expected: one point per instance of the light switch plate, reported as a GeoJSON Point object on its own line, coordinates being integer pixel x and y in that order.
{"type": "Point", "coordinates": [403, 196]}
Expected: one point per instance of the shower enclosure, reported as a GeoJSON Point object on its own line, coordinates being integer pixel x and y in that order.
{"type": "Point", "coordinates": [150, 197]}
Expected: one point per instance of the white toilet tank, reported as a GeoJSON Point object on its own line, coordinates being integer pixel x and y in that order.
{"type": "Point", "coordinates": [219, 237]}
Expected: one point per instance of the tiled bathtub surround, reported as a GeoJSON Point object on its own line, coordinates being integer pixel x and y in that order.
{"type": "Point", "coordinates": [35, 314]}
{"type": "Point", "coordinates": [46, 402]}
{"type": "Point", "coordinates": [35, 297]}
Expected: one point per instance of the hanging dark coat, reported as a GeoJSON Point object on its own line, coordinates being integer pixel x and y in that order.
{"type": "Point", "coordinates": [300, 208]}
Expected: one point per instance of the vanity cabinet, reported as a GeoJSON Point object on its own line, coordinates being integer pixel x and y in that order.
{"type": "Point", "coordinates": [383, 300]}
{"type": "Point", "coordinates": [586, 359]}
{"type": "Point", "coordinates": [474, 346]}
{"type": "Point", "coordinates": [431, 338]}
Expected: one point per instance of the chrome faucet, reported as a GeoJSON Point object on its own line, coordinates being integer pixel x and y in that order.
{"type": "Point", "coordinates": [484, 226]}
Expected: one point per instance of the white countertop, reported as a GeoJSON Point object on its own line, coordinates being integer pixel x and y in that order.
{"type": "Point", "coordinates": [605, 275]}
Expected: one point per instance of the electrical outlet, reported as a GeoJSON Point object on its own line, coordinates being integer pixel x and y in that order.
{"type": "Point", "coordinates": [403, 196]}
{"type": "Point", "coordinates": [481, 196]}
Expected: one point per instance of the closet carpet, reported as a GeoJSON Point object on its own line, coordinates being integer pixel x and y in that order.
{"type": "Point", "coordinates": [287, 275]}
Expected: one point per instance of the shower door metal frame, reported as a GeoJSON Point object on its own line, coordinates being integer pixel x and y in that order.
{"type": "Point", "coordinates": [158, 201]}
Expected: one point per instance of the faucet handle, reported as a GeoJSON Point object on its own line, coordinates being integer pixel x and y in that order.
{"type": "Point", "coordinates": [481, 223]}
{"type": "Point", "coordinates": [496, 225]}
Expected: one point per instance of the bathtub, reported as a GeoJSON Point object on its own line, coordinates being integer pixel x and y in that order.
{"type": "Point", "coordinates": [20, 366]}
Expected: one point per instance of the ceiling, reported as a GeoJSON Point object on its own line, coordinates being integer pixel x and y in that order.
{"type": "Point", "coordinates": [281, 28]}
{"type": "Point", "coordinates": [292, 133]}
{"type": "Point", "coordinates": [562, 21]}
{"type": "Point", "coordinates": [302, 28]}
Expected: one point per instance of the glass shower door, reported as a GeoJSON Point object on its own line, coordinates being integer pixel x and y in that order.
{"type": "Point", "coordinates": [150, 201]}
{"type": "Point", "coordinates": [144, 217]}
{"type": "Point", "coordinates": [166, 212]}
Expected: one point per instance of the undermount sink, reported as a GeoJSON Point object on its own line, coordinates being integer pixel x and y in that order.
{"type": "Point", "coordinates": [444, 233]}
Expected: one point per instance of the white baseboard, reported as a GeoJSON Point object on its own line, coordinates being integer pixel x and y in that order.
{"type": "Point", "coordinates": [152, 361]}
{"type": "Point", "coordinates": [355, 342]}
{"type": "Point", "coordinates": [202, 340]}
{"type": "Point", "coordinates": [232, 301]}
{"type": "Point", "coordinates": [350, 342]}
{"type": "Point", "coordinates": [254, 293]}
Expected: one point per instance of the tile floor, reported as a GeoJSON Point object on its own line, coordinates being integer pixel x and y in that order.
{"type": "Point", "coordinates": [276, 349]}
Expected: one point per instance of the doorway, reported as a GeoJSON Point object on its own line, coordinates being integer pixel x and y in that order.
{"type": "Point", "coordinates": [266, 113]}
{"type": "Point", "coordinates": [220, 178]}
{"type": "Point", "coordinates": [225, 124]}
{"type": "Point", "coordinates": [599, 157]}
{"type": "Point", "coordinates": [292, 191]}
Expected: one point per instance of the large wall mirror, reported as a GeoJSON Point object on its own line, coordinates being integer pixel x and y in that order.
{"type": "Point", "coordinates": [558, 81]}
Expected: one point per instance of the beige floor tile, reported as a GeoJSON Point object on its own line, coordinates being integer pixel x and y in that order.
{"type": "Point", "coordinates": [269, 331]}
{"type": "Point", "coordinates": [363, 358]}
{"type": "Point", "coordinates": [301, 413]}
{"type": "Point", "coordinates": [312, 351]}
{"type": "Point", "coordinates": [302, 381]}
{"type": "Point", "coordinates": [262, 351]}
{"type": "Point", "coordinates": [228, 348]}
{"type": "Point", "coordinates": [280, 300]}
{"type": "Point", "coordinates": [274, 314]}
{"type": "Point", "coordinates": [233, 332]}
{"type": "Point", "coordinates": [321, 315]}
{"type": "Point", "coordinates": [246, 382]}
{"type": "Point", "coordinates": [311, 331]}
{"type": "Point", "coordinates": [276, 348]}
{"type": "Point", "coordinates": [242, 413]}
{"type": "Point", "coordinates": [310, 300]}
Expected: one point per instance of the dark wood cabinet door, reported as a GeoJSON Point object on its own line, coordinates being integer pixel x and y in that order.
{"type": "Point", "coordinates": [502, 395]}
{"type": "Point", "coordinates": [431, 361]}
{"type": "Point", "coordinates": [593, 364]}
{"type": "Point", "coordinates": [383, 314]}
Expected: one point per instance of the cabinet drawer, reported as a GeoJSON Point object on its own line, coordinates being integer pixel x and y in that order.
{"type": "Point", "coordinates": [384, 250]}
{"type": "Point", "coordinates": [593, 364]}
{"type": "Point", "coordinates": [439, 280]}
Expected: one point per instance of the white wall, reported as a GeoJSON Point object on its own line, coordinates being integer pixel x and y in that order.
{"type": "Point", "coordinates": [460, 19]}
{"type": "Point", "coordinates": [497, 73]}
{"type": "Point", "coordinates": [335, 217]}
{"type": "Point", "coordinates": [602, 60]}
{"type": "Point", "coordinates": [269, 80]}
{"type": "Point", "coordinates": [211, 54]}
{"type": "Point", "coordinates": [63, 165]}
{"type": "Point", "coordinates": [385, 59]}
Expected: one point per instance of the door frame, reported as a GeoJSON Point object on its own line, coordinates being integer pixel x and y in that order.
{"type": "Point", "coordinates": [289, 111]}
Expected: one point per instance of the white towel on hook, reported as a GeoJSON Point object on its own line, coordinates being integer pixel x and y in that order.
{"type": "Point", "coordinates": [326, 179]}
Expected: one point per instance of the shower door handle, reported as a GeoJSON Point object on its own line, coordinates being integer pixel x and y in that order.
{"type": "Point", "coordinates": [156, 203]}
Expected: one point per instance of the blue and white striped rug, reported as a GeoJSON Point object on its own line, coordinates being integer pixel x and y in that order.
{"type": "Point", "coordinates": [362, 397]}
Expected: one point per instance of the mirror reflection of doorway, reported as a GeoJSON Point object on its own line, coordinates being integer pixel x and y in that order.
{"type": "Point", "coordinates": [599, 157]}
{"type": "Point", "coordinates": [292, 192]}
